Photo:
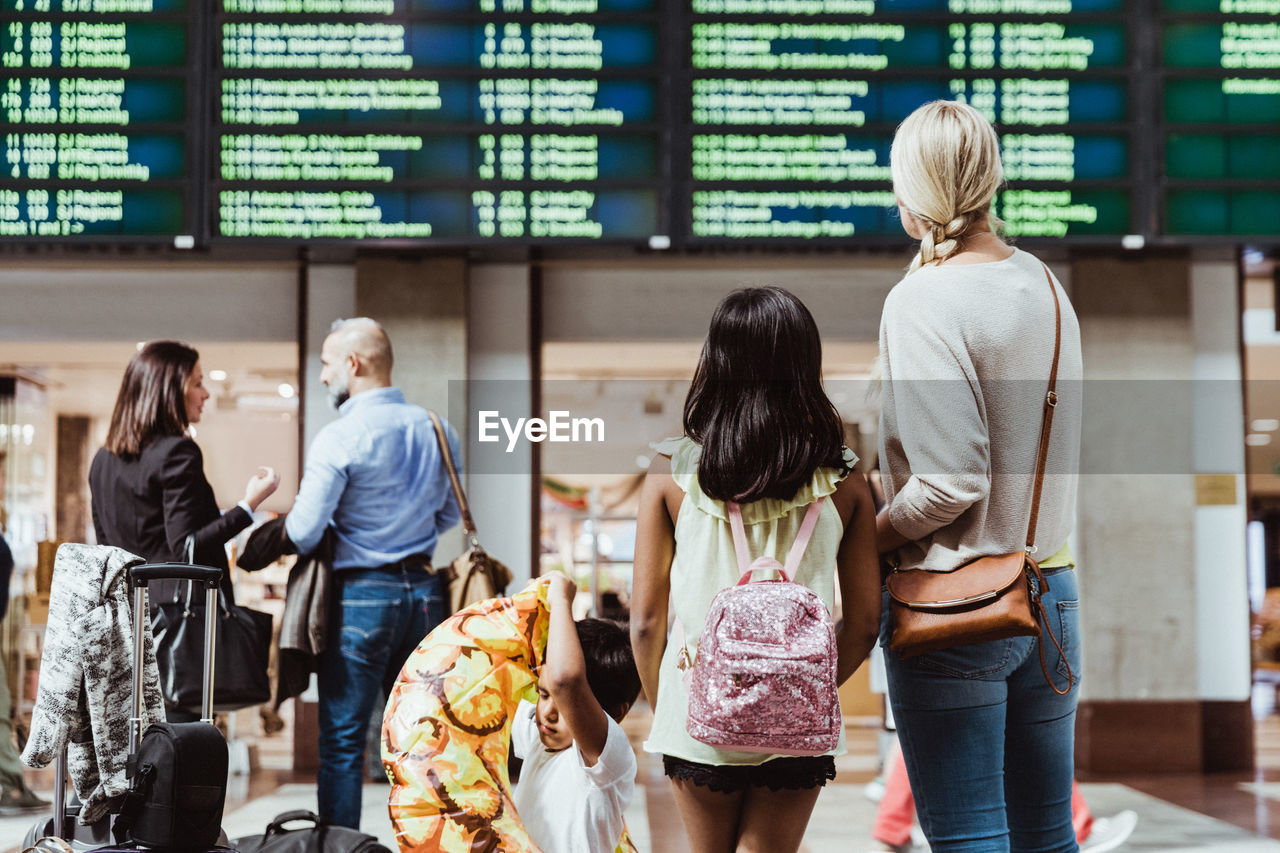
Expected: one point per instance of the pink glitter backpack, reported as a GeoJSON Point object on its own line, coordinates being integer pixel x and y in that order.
{"type": "Point", "coordinates": [765, 675]}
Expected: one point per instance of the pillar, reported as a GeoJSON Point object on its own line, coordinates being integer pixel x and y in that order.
{"type": "Point", "coordinates": [503, 487]}
{"type": "Point", "coordinates": [1160, 533]}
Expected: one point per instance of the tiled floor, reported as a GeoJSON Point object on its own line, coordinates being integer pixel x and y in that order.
{"type": "Point", "coordinates": [1219, 813]}
{"type": "Point", "coordinates": [842, 820]}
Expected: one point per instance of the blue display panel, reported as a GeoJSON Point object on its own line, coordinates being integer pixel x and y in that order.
{"type": "Point", "coordinates": [793, 106]}
{"type": "Point", "coordinates": [1220, 118]}
{"type": "Point", "coordinates": [476, 122]}
{"type": "Point", "coordinates": [96, 120]}
{"type": "Point", "coordinates": [441, 120]}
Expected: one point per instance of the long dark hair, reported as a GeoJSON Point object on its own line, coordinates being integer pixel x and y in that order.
{"type": "Point", "coordinates": [152, 401]}
{"type": "Point", "coordinates": [756, 404]}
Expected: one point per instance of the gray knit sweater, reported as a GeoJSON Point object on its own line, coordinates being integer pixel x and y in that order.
{"type": "Point", "coordinates": [965, 354]}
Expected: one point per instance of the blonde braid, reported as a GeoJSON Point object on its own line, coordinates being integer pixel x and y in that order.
{"type": "Point", "coordinates": [942, 241]}
{"type": "Point", "coordinates": [952, 237]}
{"type": "Point", "coordinates": [927, 253]}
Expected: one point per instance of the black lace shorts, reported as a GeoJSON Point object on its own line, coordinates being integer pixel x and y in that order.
{"type": "Point", "coordinates": [780, 773]}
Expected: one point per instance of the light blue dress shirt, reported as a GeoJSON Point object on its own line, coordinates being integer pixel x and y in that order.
{"type": "Point", "coordinates": [375, 474]}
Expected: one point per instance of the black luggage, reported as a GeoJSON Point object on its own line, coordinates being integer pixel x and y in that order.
{"type": "Point", "coordinates": [318, 837]}
{"type": "Point", "coordinates": [177, 790]}
{"type": "Point", "coordinates": [178, 771]}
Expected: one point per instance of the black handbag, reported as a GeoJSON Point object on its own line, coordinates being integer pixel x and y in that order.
{"type": "Point", "coordinates": [242, 651]}
{"type": "Point", "coordinates": [319, 837]}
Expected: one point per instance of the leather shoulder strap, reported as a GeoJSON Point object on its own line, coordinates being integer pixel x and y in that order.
{"type": "Point", "coordinates": [468, 525]}
{"type": "Point", "coordinates": [1046, 424]}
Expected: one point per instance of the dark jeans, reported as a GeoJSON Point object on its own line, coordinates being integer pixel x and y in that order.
{"type": "Point", "coordinates": [380, 616]}
{"type": "Point", "coordinates": [988, 745]}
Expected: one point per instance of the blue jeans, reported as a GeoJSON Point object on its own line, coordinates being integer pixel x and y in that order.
{"type": "Point", "coordinates": [989, 747]}
{"type": "Point", "coordinates": [379, 617]}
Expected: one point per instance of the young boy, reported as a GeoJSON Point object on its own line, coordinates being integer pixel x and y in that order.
{"type": "Point", "coordinates": [579, 771]}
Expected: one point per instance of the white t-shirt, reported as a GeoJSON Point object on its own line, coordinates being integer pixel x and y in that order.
{"type": "Point", "coordinates": [566, 806]}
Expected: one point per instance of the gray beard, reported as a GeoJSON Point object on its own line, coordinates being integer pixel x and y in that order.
{"type": "Point", "coordinates": [338, 394]}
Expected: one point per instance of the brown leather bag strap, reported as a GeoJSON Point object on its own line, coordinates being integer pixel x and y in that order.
{"type": "Point", "coordinates": [1046, 424]}
{"type": "Point", "coordinates": [1044, 619]}
{"type": "Point", "coordinates": [468, 525]}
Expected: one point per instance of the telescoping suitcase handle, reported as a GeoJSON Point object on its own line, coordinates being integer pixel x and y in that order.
{"type": "Point", "coordinates": [139, 577]}
{"type": "Point", "coordinates": [142, 575]}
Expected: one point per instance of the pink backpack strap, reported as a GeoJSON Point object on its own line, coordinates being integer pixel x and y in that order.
{"type": "Point", "coordinates": [739, 537]}
{"type": "Point", "coordinates": [798, 547]}
{"type": "Point", "coordinates": [802, 538]}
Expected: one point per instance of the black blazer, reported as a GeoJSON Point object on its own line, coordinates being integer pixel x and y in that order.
{"type": "Point", "coordinates": [150, 504]}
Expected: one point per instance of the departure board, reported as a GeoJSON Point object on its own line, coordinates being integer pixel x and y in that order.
{"type": "Point", "coordinates": [95, 114]}
{"type": "Point", "coordinates": [794, 103]}
{"type": "Point", "coordinates": [1220, 128]}
{"type": "Point", "coordinates": [443, 120]}
{"type": "Point", "coordinates": [671, 123]}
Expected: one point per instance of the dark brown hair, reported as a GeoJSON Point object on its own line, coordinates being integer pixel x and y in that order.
{"type": "Point", "coordinates": [611, 665]}
{"type": "Point", "coordinates": [152, 401]}
{"type": "Point", "coordinates": [757, 405]}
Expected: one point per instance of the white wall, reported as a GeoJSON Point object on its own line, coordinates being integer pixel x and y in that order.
{"type": "Point", "coordinates": [73, 327]}
{"type": "Point", "coordinates": [113, 301]}
{"type": "Point", "coordinates": [663, 298]}
{"type": "Point", "coordinates": [499, 376]}
{"type": "Point", "coordinates": [1163, 409]}
{"type": "Point", "coordinates": [1222, 596]}
{"type": "Point", "coordinates": [330, 295]}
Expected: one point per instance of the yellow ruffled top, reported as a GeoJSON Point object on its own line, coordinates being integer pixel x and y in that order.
{"type": "Point", "coordinates": [705, 563]}
{"type": "Point", "coordinates": [685, 453]}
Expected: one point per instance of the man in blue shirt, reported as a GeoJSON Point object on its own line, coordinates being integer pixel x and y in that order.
{"type": "Point", "coordinates": [376, 476]}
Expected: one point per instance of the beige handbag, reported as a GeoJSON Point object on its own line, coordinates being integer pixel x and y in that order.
{"type": "Point", "coordinates": [476, 575]}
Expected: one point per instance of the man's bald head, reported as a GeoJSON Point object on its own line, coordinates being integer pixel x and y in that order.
{"type": "Point", "coordinates": [356, 357]}
{"type": "Point", "coordinates": [368, 341]}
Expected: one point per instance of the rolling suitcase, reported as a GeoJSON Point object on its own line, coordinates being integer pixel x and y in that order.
{"type": "Point", "coordinates": [312, 836]}
{"type": "Point", "coordinates": [172, 806]}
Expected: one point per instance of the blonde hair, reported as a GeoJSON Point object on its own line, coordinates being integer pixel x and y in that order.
{"type": "Point", "coordinates": [945, 163]}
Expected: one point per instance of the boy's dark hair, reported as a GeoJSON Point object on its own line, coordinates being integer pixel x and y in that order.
{"type": "Point", "coordinates": [611, 666]}
{"type": "Point", "coordinates": [756, 404]}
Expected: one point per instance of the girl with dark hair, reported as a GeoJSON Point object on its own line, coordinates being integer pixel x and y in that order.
{"type": "Point", "coordinates": [147, 484]}
{"type": "Point", "coordinates": [761, 433]}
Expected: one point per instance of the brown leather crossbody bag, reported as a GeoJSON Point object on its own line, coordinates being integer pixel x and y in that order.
{"type": "Point", "coordinates": [984, 598]}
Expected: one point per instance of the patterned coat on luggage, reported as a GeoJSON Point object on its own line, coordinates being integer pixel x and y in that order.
{"type": "Point", "coordinates": [84, 698]}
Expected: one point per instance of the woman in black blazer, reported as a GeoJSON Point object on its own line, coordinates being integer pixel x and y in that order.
{"type": "Point", "coordinates": [148, 485]}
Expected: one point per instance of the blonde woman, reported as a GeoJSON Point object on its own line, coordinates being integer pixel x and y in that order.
{"type": "Point", "coordinates": [966, 343]}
